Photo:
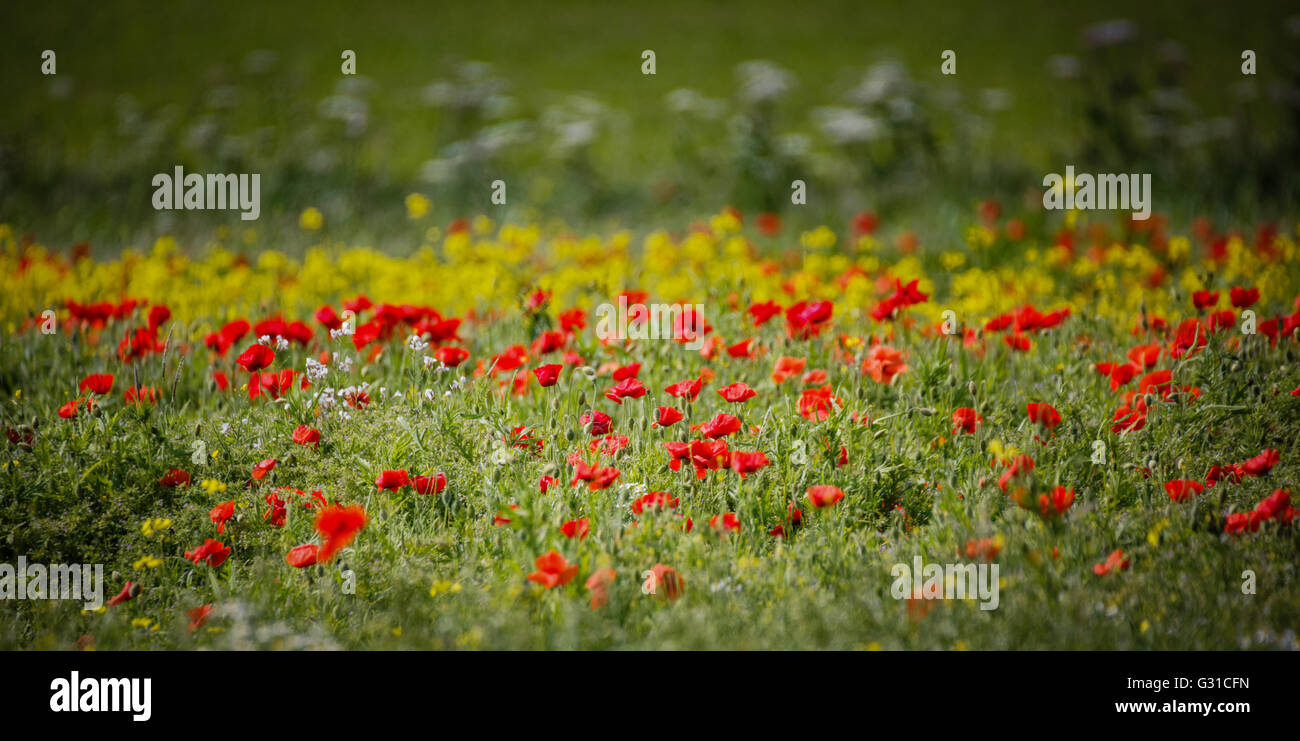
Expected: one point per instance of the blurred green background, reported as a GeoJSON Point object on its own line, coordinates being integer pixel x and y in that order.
{"type": "Point", "coordinates": [550, 97]}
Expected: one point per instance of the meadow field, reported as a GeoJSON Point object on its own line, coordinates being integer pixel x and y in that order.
{"type": "Point", "coordinates": [648, 400]}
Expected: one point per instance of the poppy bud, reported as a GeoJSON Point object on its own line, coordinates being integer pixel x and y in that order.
{"type": "Point", "coordinates": [971, 388]}
{"type": "Point", "coordinates": [925, 411]}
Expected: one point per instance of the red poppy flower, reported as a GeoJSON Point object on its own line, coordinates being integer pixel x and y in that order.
{"type": "Point", "coordinates": [763, 312]}
{"type": "Point", "coordinates": [1144, 356]}
{"type": "Point", "coordinates": [304, 435]}
{"type": "Point", "coordinates": [1055, 503]}
{"type": "Point", "coordinates": [303, 555]}
{"type": "Point", "coordinates": [221, 513]}
{"type": "Point", "coordinates": [1043, 414]}
{"type": "Point", "coordinates": [1276, 506]}
{"type": "Point", "coordinates": [622, 373]}
{"type": "Point", "coordinates": [393, 480]}
{"type": "Point", "coordinates": [451, 356]}
{"type": "Point", "coordinates": [140, 395]}
{"type": "Point", "coordinates": [745, 463]}
{"type": "Point", "coordinates": [338, 525]}
{"type": "Point", "coordinates": [69, 410]}
{"type": "Point", "coordinates": [787, 367]}
{"type": "Point", "coordinates": [578, 528]}
{"type": "Point", "coordinates": [547, 375]}
{"type": "Point", "coordinates": [1182, 489]}
{"type": "Point", "coordinates": [263, 468]}
{"type": "Point", "coordinates": [708, 456]}
{"type": "Point", "coordinates": [1017, 342]}
{"type": "Point", "coordinates": [793, 518]}
{"type": "Point", "coordinates": [198, 616]}
{"type": "Point", "coordinates": [737, 392]}
{"type": "Point", "coordinates": [883, 363]}
{"type": "Point", "coordinates": [598, 584]}
{"type": "Point", "coordinates": [1022, 465]}
{"type": "Point", "coordinates": [1129, 419]}
{"type": "Point", "coordinates": [667, 416]}
{"type": "Point", "coordinates": [817, 404]}
{"type": "Point", "coordinates": [654, 500]}
{"type": "Point", "coordinates": [256, 357]}
{"type": "Point", "coordinates": [1260, 464]}
{"type": "Point", "coordinates": [597, 423]}
{"type": "Point", "coordinates": [688, 389]}
{"type": "Point", "coordinates": [769, 224]}
{"type": "Point", "coordinates": [275, 510]}
{"type": "Point", "coordinates": [1205, 299]}
{"type": "Point", "coordinates": [175, 477]}
{"type": "Point", "coordinates": [130, 591]}
{"type": "Point", "coordinates": [1114, 562]}
{"type": "Point", "coordinates": [721, 425]}
{"type": "Point", "coordinates": [965, 420]}
{"type": "Point", "coordinates": [664, 583]}
{"type": "Point", "coordinates": [212, 552]}
{"type": "Point", "coordinates": [553, 570]}
{"type": "Point", "coordinates": [1156, 381]}
{"type": "Point", "coordinates": [596, 477]}
{"type": "Point", "coordinates": [725, 523]}
{"type": "Point", "coordinates": [824, 495]}
{"type": "Point", "coordinates": [431, 484]}
{"type": "Point", "coordinates": [628, 388]}
{"type": "Point", "coordinates": [97, 383]}
{"type": "Point", "coordinates": [1243, 298]}
{"type": "Point", "coordinates": [982, 548]}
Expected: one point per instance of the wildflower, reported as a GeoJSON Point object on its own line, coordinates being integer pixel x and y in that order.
{"type": "Point", "coordinates": [198, 616]}
{"type": "Point", "coordinates": [256, 357]}
{"type": "Point", "coordinates": [130, 591]}
{"type": "Point", "coordinates": [664, 583]}
{"type": "Point", "coordinates": [263, 468]}
{"type": "Point", "coordinates": [302, 556]}
{"type": "Point", "coordinates": [304, 435]}
{"type": "Point", "coordinates": [965, 420]}
{"type": "Point", "coordinates": [1043, 414]}
{"type": "Point", "coordinates": [338, 525]}
{"type": "Point", "coordinates": [598, 584]}
{"type": "Point", "coordinates": [578, 528]}
{"type": "Point", "coordinates": [725, 523]}
{"type": "Point", "coordinates": [547, 375]}
{"type": "Point", "coordinates": [824, 495]}
{"type": "Point", "coordinates": [883, 363]}
{"type": "Point", "coordinates": [553, 570]}
{"type": "Point", "coordinates": [97, 383]}
{"type": "Point", "coordinates": [431, 484]}
{"type": "Point", "coordinates": [393, 480]}
{"type": "Point", "coordinates": [721, 425]}
{"type": "Point", "coordinates": [1114, 562]}
{"type": "Point", "coordinates": [737, 392]}
{"type": "Point", "coordinates": [1183, 489]}
{"type": "Point", "coordinates": [221, 513]}
{"type": "Point", "coordinates": [212, 552]}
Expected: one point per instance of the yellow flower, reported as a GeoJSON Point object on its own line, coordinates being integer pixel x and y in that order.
{"type": "Point", "coordinates": [417, 206]}
{"type": "Point", "coordinates": [147, 562]}
{"type": "Point", "coordinates": [819, 238]}
{"type": "Point", "coordinates": [154, 525]}
{"type": "Point", "coordinates": [311, 219]}
{"type": "Point", "coordinates": [212, 486]}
